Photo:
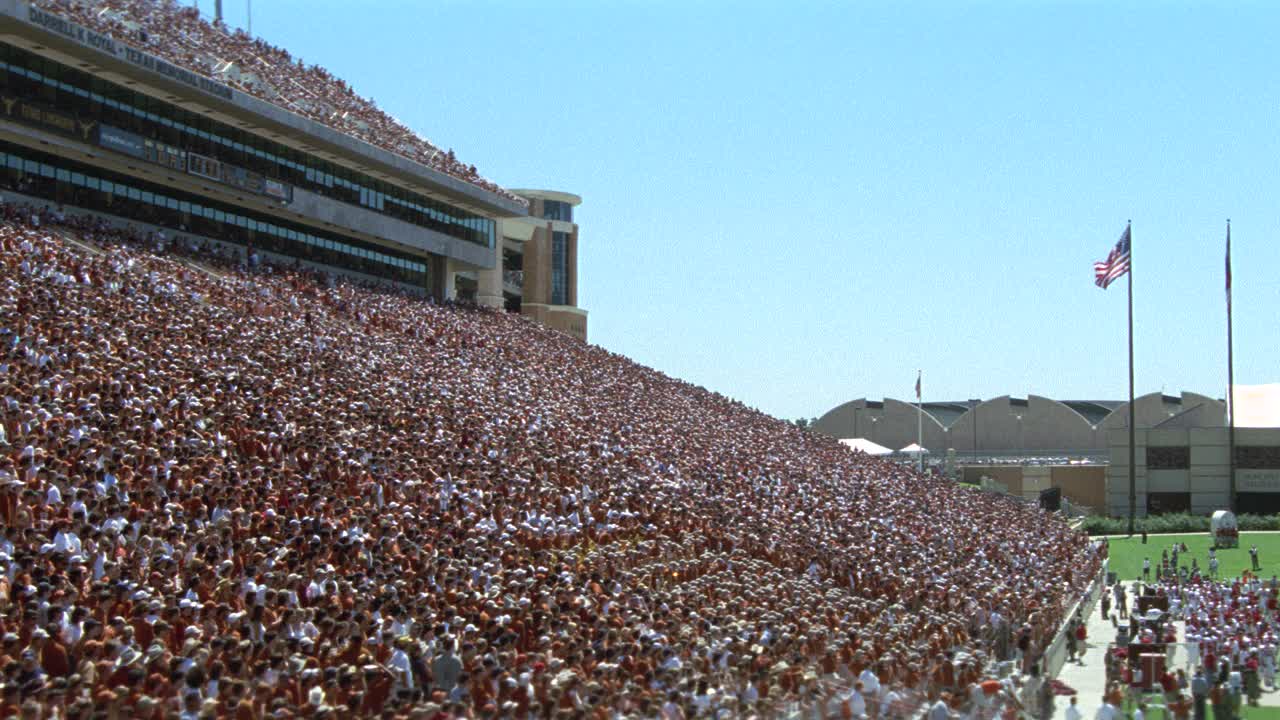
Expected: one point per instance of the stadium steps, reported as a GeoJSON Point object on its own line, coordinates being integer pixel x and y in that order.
{"type": "Point", "coordinates": [71, 239]}
{"type": "Point", "coordinates": [199, 266]}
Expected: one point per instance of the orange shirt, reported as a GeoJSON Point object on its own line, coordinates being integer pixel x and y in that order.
{"type": "Point", "coordinates": [54, 660]}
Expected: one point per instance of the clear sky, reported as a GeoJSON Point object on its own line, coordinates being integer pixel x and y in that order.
{"type": "Point", "coordinates": [801, 203]}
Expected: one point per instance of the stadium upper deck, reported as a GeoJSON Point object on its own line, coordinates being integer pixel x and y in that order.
{"type": "Point", "coordinates": [141, 109]}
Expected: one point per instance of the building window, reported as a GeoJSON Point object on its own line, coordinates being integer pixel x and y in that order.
{"type": "Point", "coordinates": [1168, 502]}
{"type": "Point", "coordinates": [556, 210]}
{"type": "Point", "coordinates": [134, 198]}
{"type": "Point", "coordinates": [1256, 457]}
{"type": "Point", "coordinates": [1168, 458]}
{"type": "Point", "coordinates": [559, 268]}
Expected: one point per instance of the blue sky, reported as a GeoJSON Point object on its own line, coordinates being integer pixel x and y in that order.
{"type": "Point", "coordinates": [800, 203]}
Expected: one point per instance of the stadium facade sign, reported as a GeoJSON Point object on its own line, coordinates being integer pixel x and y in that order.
{"type": "Point", "coordinates": [46, 118]}
{"type": "Point", "coordinates": [121, 141]}
{"type": "Point", "coordinates": [107, 44]}
{"type": "Point", "coordinates": [237, 177]}
{"type": "Point", "coordinates": [1258, 480]}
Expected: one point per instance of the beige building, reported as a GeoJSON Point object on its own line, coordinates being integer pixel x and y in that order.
{"type": "Point", "coordinates": [1013, 426]}
{"type": "Point", "coordinates": [1184, 468]}
{"type": "Point", "coordinates": [1181, 446]}
{"type": "Point", "coordinates": [537, 269]}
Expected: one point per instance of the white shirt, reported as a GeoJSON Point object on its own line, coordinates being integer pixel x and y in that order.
{"type": "Point", "coordinates": [404, 671]}
{"type": "Point", "coordinates": [857, 704]}
{"type": "Point", "coordinates": [870, 683]}
{"type": "Point", "coordinates": [66, 542]}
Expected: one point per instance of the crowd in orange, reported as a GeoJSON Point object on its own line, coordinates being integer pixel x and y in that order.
{"type": "Point", "coordinates": [235, 494]}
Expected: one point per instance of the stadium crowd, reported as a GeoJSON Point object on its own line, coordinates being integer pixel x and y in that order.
{"type": "Point", "coordinates": [234, 494]}
{"type": "Point", "coordinates": [178, 34]}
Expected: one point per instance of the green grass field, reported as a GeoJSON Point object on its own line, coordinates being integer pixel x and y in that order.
{"type": "Point", "coordinates": [1127, 554]}
{"type": "Point", "coordinates": [1157, 713]}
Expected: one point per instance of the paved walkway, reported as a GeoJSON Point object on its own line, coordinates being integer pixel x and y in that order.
{"type": "Point", "coordinates": [1087, 676]}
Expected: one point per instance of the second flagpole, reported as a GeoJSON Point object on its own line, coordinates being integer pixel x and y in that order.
{"type": "Point", "coordinates": [1133, 467]}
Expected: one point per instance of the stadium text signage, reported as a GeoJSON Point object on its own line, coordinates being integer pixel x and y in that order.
{"type": "Point", "coordinates": [1258, 480]}
{"type": "Point", "coordinates": [122, 141]}
{"type": "Point", "coordinates": [70, 30]}
{"type": "Point", "coordinates": [238, 177]}
{"type": "Point", "coordinates": [105, 43]}
{"type": "Point", "coordinates": [47, 118]}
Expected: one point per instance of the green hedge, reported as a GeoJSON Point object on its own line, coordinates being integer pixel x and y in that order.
{"type": "Point", "coordinates": [1174, 523]}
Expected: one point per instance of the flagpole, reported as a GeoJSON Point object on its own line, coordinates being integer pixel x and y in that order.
{"type": "Point", "coordinates": [1231, 387]}
{"type": "Point", "coordinates": [920, 420]}
{"type": "Point", "coordinates": [1133, 467]}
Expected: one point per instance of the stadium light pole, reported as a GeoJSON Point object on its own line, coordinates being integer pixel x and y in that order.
{"type": "Point", "coordinates": [975, 403]}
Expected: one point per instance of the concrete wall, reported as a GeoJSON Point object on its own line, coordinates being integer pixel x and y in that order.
{"type": "Point", "coordinates": [1009, 477]}
{"type": "Point", "coordinates": [570, 320]}
{"type": "Point", "coordinates": [1081, 484]}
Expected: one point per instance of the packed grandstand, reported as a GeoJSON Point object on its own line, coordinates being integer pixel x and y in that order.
{"type": "Point", "coordinates": [260, 494]}
{"type": "Point", "coordinates": [238, 489]}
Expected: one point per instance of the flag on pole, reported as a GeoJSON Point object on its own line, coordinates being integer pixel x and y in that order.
{"type": "Point", "coordinates": [919, 375]}
{"type": "Point", "coordinates": [1116, 264]}
{"type": "Point", "coordinates": [1228, 266]}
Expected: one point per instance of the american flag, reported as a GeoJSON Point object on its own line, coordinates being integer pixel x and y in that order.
{"type": "Point", "coordinates": [1116, 264]}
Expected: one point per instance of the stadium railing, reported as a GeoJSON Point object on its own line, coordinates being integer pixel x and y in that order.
{"type": "Point", "coordinates": [1056, 654]}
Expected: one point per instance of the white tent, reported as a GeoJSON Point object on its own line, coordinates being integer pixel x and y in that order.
{"type": "Point", "coordinates": [914, 450]}
{"type": "Point", "coordinates": [866, 446]}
